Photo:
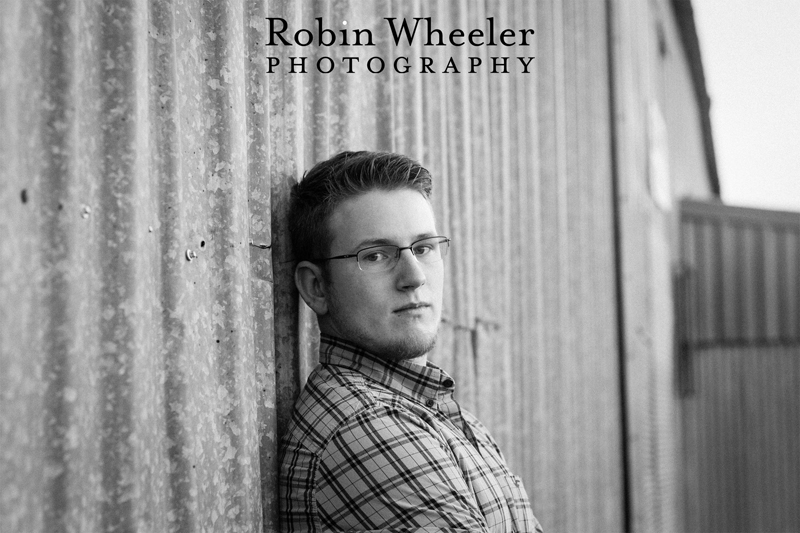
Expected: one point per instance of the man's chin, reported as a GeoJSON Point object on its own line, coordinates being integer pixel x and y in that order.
{"type": "Point", "coordinates": [391, 343]}
{"type": "Point", "coordinates": [408, 348]}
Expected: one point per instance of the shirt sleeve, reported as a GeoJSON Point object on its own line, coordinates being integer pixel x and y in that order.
{"type": "Point", "coordinates": [387, 469]}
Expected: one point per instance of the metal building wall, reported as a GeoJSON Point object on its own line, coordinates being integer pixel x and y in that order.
{"type": "Point", "coordinates": [658, 155]}
{"type": "Point", "coordinates": [740, 368]}
{"type": "Point", "coordinates": [152, 343]}
{"type": "Point", "coordinates": [137, 386]}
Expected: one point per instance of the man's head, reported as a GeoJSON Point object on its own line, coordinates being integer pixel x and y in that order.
{"type": "Point", "coordinates": [354, 201]}
{"type": "Point", "coordinates": [343, 176]}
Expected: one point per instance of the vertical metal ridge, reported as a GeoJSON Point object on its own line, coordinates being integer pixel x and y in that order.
{"type": "Point", "coordinates": [260, 232]}
{"type": "Point", "coordinates": [227, 188]}
{"type": "Point", "coordinates": [221, 188]}
{"type": "Point", "coordinates": [618, 267]}
{"type": "Point", "coordinates": [117, 235]}
{"type": "Point", "coordinates": [166, 164]}
{"type": "Point", "coordinates": [57, 143]}
{"type": "Point", "coordinates": [24, 214]}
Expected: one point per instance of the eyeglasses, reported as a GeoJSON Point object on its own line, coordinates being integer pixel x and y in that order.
{"type": "Point", "coordinates": [385, 256]}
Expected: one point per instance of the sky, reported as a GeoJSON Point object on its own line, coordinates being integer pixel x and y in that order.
{"type": "Point", "coordinates": [751, 59]}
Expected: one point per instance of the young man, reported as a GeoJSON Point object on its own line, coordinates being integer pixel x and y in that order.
{"type": "Point", "coordinates": [376, 440]}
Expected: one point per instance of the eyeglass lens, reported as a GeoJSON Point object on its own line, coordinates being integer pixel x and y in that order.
{"type": "Point", "coordinates": [384, 257]}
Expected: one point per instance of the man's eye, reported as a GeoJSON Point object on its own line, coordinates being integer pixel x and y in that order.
{"type": "Point", "coordinates": [375, 256]}
{"type": "Point", "coordinates": [423, 249]}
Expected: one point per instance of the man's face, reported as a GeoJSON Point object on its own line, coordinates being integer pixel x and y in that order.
{"type": "Point", "coordinates": [371, 309]}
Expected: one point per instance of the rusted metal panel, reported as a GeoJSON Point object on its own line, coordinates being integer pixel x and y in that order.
{"type": "Point", "coordinates": [145, 358]}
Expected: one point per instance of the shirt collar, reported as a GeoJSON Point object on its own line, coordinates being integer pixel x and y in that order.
{"type": "Point", "coordinates": [403, 377]}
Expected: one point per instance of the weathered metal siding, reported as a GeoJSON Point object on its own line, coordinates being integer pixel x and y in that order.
{"type": "Point", "coordinates": [742, 422]}
{"type": "Point", "coordinates": [740, 371]}
{"type": "Point", "coordinates": [151, 354]}
{"type": "Point", "coordinates": [657, 153]}
{"type": "Point", "coordinates": [744, 269]}
{"type": "Point", "coordinates": [133, 372]}
{"type": "Point", "coordinates": [573, 325]}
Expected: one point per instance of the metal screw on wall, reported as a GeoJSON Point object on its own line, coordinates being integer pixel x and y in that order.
{"type": "Point", "coordinates": [191, 254]}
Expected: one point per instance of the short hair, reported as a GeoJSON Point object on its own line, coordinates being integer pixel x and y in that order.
{"type": "Point", "coordinates": [343, 176]}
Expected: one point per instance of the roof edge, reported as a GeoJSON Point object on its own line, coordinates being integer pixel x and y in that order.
{"type": "Point", "coordinates": [684, 14]}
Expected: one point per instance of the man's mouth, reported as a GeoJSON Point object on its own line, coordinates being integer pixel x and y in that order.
{"type": "Point", "coordinates": [411, 306]}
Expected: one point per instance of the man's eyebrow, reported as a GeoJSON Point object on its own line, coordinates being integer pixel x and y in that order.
{"type": "Point", "coordinates": [366, 243]}
{"type": "Point", "coordinates": [424, 236]}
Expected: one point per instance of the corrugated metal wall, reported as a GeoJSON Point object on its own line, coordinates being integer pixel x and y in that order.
{"type": "Point", "coordinates": [135, 350]}
{"type": "Point", "coordinates": [151, 353]}
{"type": "Point", "coordinates": [656, 125]}
{"type": "Point", "coordinates": [740, 368]}
{"type": "Point", "coordinates": [744, 268]}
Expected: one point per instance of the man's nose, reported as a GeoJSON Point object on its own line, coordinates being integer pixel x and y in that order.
{"type": "Point", "coordinates": [410, 274]}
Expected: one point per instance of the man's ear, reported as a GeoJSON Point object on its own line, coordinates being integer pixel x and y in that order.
{"type": "Point", "coordinates": [310, 283]}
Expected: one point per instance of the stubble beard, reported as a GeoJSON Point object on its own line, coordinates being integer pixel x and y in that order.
{"type": "Point", "coordinates": [408, 347]}
{"type": "Point", "coordinates": [396, 350]}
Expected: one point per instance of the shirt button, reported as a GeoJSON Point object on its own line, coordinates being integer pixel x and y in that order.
{"type": "Point", "coordinates": [447, 383]}
{"type": "Point", "coordinates": [429, 402]}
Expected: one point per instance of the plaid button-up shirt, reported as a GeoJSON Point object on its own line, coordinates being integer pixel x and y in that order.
{"type": "Point", "coordinates": [377, 445]}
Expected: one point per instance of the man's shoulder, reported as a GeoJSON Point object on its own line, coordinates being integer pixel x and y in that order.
{"type": "Point", "coordinates": [331, 397]}
{"type": "Point", "coordinates": [481, 432]}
